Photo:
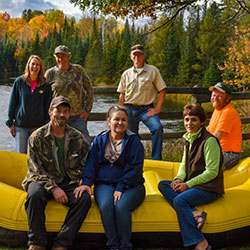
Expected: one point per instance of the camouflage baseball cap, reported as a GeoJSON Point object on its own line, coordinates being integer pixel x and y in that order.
{"type": "Point", "coordinates": [58, 101]}
{"type": "Point", "coordinates": [62, 49]}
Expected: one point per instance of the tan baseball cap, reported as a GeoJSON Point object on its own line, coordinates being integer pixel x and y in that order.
{"type": "Point", "coordinates": [137, 48]}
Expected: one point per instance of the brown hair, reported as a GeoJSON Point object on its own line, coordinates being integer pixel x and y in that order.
{"type": "Point", "coordinates": [26, 77]}
{"type": "Point", "coordinates": [195, 109]}
{"type": "Point", "coordinates": [114, 109]}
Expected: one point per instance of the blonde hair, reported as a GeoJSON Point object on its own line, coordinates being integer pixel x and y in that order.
{"type": "Point", "coordinates": [41, 78]}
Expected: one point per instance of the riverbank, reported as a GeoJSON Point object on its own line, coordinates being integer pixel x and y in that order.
{"type": "Point", "coordinates": [173, 148]}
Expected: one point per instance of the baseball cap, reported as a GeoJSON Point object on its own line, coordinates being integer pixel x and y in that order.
{"type": "Point", "coordinates": [221, 87]}
{"type": "Point", "coordinates": [62, 49]}
{"type": "Point", "coordinates": [58, 101]}
{"type": "Point", "coordinates": [137, 48]}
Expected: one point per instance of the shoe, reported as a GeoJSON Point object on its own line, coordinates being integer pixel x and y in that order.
{"type": "Point", "coordinates": [200, 223]}
{"type": "Point", "coordinates": [34, 247]}
{"type": "Point", "coordinates": [208, 248]}
{"type": "Point", "coordinates": [59, 248]}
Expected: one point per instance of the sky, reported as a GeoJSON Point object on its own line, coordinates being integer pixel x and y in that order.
{"type": "Point", "coordinates": [16, 7]}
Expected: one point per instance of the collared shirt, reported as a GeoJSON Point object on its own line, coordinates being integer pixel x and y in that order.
{"type": "Point", "coordinates": [74, 84]}
{"type": "Point", "coordinates": [43, 164]}
{"type": "Point", "coordinates": [113, 149]}
{"type": "Point", "coordinates": [141, 88]}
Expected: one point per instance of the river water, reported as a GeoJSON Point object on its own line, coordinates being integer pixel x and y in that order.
{"type": "Point", "coordinates": [101, 104]}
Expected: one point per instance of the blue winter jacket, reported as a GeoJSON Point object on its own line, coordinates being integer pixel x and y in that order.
{"type": "Point", "coordinates": [124, 173]}
{"type": "Point", "coordinates": [29, 109]}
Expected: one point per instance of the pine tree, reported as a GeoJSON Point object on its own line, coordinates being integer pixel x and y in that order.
{"type": "Point", "coordinates": [188, 68]}
{"type": "Point", "coordinates": [165, 49]}
{"type": "Point", "coordinates": [93, 58]}
{"type": "Point", "coordinates": [108, 68]}
{"type": "Point", "coordinates": [35, 48]}
{"type": "Point", "coordinates": [123, 58]}
{"type": "Point", "coordinates": [212, 37]}
{"type": "Point", "coordinates": [212, 75]}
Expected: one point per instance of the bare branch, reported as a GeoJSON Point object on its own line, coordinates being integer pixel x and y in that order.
{"type": "Point", "coordinates": [167, 22]}
{"type": "Point", "coordinates": [233, 17]}
{"type": "Point", "coordinates": [243, 5]}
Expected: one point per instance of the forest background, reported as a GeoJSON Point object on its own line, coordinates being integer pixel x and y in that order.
{"type": "Point", "coordinates": [202, 45]}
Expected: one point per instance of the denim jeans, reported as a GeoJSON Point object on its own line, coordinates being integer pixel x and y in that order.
{"type": "Point", "coordinates": [116, 219]}
{"type": "Point", "coordinates": [21, 137]}
{"type": "Point", "coordinates": [35, 204]}
{"type": "Point", "coordinates": [152, 122]}
{"type": "Point", "coordinates": [184, 204]}
{"type": "Point", "coordinates": [230, 159]}
{"type": "Point", "coordinates": [81, 125]}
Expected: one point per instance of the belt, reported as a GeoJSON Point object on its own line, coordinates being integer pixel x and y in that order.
{"type": "Point", "coordinates": [73, 117]}
{"type": "Point", "coordinates": [231, 152]}
{"type": "Point", "coordinates": [138, 106]}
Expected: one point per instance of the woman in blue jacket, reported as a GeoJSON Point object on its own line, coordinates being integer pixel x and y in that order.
{"type": "Point", "coordinates": [114, 166]}
{"type": "Point", "coordinates": [29, 103]}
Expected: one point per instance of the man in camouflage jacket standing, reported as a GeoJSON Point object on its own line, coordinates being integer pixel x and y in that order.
{"type": "Point", "coordinates": [72, 81]}
{"type": "Point", "coordinates": [56, 158]}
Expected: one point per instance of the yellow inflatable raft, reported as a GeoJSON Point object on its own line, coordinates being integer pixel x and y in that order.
{"type": "Point", "coordinates": [154, 222]}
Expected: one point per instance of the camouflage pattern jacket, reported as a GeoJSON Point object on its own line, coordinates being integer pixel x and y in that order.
{"type": "Point", "coordinates": [43, 166]}
{"type": "Point", "coordinates": [73, 84]}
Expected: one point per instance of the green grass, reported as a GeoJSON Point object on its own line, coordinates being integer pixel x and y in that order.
{"type": "Point", "coordinates": [172, 151]}
{"type": "Point", "coordinates": [240, 247]}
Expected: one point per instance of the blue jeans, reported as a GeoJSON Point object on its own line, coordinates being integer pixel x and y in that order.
{"type": "Point", "coordinates": [117, 220]}
{"type": "Point", "coordinates": [152, 122]}
{"type": "Point", "coordinates": [230, 159]}
{"type": "Point", "coordinates": [21, 137]}
{"type": "Point", "coordinates": [81, 125]}
{"type": "Point", "coordinates": [184, 204]}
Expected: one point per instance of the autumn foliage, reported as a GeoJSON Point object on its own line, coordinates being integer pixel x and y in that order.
{"type": "Point", "coordinates": [185, 44]}
{"type": "Point", "coordinates": [236, 69]}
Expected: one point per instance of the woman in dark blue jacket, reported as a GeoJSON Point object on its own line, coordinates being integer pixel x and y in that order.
{"type": "Point", "coordinates": [29, 103]}
{"type": "Point", "coordinates": [114, 166]}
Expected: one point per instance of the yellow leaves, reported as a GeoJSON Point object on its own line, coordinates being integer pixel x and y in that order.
{"type": "Point", "coordinates": [40, 25]}
{"type": "Point", "coordinates": [18, 53]}
{"type": "Point", "coordinates": [237, 65]}
{"type": "Point", "coordinates": [17, 29]}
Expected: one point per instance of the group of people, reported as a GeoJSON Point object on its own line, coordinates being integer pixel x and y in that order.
{"type": "Point", "coordinates": [47, 116]}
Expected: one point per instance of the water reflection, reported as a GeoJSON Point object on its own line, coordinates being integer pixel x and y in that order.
{"type": "Point", "coordinates": [101, 104]}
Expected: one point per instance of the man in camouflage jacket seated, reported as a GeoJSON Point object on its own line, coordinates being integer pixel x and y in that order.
{"type": "Point", "coordinates": [56, 158]}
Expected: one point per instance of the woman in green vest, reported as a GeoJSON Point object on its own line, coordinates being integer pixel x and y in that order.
{"type": "Point", "coordinates": [199, 180]}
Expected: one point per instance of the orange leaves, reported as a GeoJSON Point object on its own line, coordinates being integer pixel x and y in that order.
{"type": "Point", "coordinates": [6, 16]}
{"type": "Point", "coordinates": [237, 65]}
{"type": "Point", "coordinates": [133, 9]}
{"type": "Point", "coordinates": [18, 28]}
{"type": "Point", "coordinates": [40, 25]}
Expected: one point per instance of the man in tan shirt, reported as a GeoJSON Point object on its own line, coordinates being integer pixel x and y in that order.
{"type": "Point", "coordinates": [139, 88]}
